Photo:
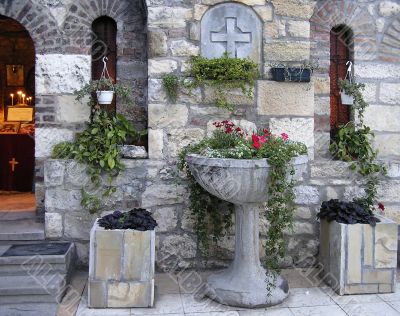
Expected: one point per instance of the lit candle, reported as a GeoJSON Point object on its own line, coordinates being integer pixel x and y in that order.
{"type": "Point", "coordinates": [23, 98]}
{"type": "Point", "coordinates": [12, 99]}
{"type": "Point", "coordinates": [19, 97]}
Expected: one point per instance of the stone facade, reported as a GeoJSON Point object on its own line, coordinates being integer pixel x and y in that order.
{"type": "Point", "coordinates": [292, 31]}
{"type": "Point", "coordinates": [359, 259]}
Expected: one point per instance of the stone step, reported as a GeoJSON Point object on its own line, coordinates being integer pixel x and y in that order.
{"type": "Point", "coordinates": [14, 216]}
{"type": "Point", "coordinates": [36, 258]}
{"type": "Point", "coordinates": [27, 229]}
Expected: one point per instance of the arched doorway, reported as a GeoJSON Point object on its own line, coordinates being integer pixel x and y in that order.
{"type": "Point", "coordinates": [17, 115]}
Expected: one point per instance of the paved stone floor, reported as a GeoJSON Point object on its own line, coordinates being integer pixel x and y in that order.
{"type": "Point", "coordinates": [177, 296]}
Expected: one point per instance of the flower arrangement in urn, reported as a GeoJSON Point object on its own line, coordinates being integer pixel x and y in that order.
{"type": "Point", "coordinates": [244, 168]}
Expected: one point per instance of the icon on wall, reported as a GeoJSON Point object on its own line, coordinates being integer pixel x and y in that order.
{"type": "Point", "coordinates": [15, 75]}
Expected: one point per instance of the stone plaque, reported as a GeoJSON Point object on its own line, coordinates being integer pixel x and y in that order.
{"type": "Point", "coordinates": [233, 28]}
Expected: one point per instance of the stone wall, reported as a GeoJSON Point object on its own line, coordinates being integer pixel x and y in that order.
{"type": "Point", "coordinates": [292, 31]}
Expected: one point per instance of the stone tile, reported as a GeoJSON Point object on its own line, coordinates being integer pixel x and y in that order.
{"type": "Point", "coordinates": [97, 294]}
{"type": "Point", "coordinates": [190, 282]}
{"type": "Point", "coordinates": [332, 310]}
{"type": "Point", "coordinates": [354, 248]}
{"type": "Point", "coordinates": [355, 299]}
{"type": "Point", "coordinates": [193, 304]}
{"type": "Point", "coordinates": [378, 276]}
{"type": "Point", "coordinates": [164, 304]}
{"type": "Point", "coordinates": [395, 305]}
{"type": "Point", "coordinates": [386, 245]}
{"type": "Point", "coordinates": [391, 297]}
{"type": "Point", "coordinates": [360, 289]}
{"type": "Point", "coordinates": [166, 284]}
{"type": "Point", "coordinates": [368, 245]}
{"type": "Point", "coordinates": [83, 310]}
{"type": "Point", "coordinates": [231, 313]}
{"type": "Point", "coordinates": [302, 297]}
{"type": "Point", "coordinates": [302, 278]}
{"type": "Point", "coordinates": [370, 309]}
{"type": "Point", "coordinates": [31, 309]}
{"type": "Point", "coordinates": [267, 312]}
{"type": "Point", "coordinates": [130, 294]}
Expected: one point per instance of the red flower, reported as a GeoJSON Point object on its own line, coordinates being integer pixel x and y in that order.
{"type": "Point", "coordinates": [262, 139]}
{"type": "Point", "coordinates": [238, 129]}
{"type": "Point", "coordinates": [266, 132]}
{"type": "Point", "coordinates": [228, 130]}
{"type": "Point", "coordinates": [256, 143]}
{"type": "Point", "coordinates": [285, 136]}
{"type": "Point", "coordinates": [381, 206]}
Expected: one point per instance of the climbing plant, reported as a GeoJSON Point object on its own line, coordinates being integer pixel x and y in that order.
{"type": "Point", "coordinates": [353, 144]}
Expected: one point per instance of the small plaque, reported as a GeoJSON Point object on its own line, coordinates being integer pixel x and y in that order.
{"type": "Point", "coordinates": [19, 113]}
{"type": "Point", "coordinates": [15, 75]}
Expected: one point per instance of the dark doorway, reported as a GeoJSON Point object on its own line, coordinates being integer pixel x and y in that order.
{"type": "Point", "coordinates": [341, 43]}
{"type": "Point", "coordinates": [17, 113]}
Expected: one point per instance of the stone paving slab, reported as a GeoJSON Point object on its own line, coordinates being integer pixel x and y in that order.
{"type": "Point", "coordinates": [173, 299]}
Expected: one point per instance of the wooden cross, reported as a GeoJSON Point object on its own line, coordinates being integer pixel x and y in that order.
{"type": "Point", "coordinates": [13, 163]}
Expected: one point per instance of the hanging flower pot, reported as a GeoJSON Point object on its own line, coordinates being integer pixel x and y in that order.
{"type": "Point", "coordinates": [346, 98]}
{"type": "Point", "coordinates": [105, 97]}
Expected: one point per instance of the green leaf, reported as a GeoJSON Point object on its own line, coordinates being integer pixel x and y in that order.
{"type": "Point", "coordinates": [111, 162]}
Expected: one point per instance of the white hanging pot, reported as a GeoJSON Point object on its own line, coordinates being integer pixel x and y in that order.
{"type": "Point", "coordinates": [346, 99]}
{"type": "Point", "coordinates": [105, 97]}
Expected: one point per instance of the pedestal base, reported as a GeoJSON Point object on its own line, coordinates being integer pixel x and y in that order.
{"type": "Point", "coordinates": [246, 290]}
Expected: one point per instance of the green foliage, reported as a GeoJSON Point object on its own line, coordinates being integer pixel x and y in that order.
{"type": "Point", "coordinates": [353, 144]}
{"type": "Point", "coordinates": [171, 86]}
{"type": "Point", "coordinates": [97, 147]}
{"type": "Point", "coordinates": [104, 84]}
{"type": "Point", "coordinates": [312, 65]}
{"type": "Point", "coordinates": [355, 90]}
{"type": "Point", "coordinates": [222, 74]}
{"type": "Point", "coordinates": [233, 143]}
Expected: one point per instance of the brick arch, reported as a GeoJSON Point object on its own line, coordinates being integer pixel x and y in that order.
{"type": "Point", "coordinates": [389, 47]}
{"type": "Point", "coordinates": [38, 21]}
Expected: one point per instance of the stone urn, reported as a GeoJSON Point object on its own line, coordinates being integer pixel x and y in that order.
{"type": "Point", "coordinates": [245, 184]}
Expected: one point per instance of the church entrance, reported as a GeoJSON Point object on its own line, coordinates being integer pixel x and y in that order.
{"type": "Point", "coordinates": [17, 114]}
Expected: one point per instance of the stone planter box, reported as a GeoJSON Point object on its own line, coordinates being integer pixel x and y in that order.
{"type": "Point", "coordinates": [121, 268]}
{"type": "Point", "coordinates": [359, 259]}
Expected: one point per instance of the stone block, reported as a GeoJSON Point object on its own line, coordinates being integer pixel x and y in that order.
{"type": "Point", "coordinates": [330, 169]}
{"type": "Point", "coordinates": [59, 199]}
{"type": "Point", "coordinates": [388, 145]}
{"type": "Point", "coordinates": [171, 115]}
{"type": "Point", "coordinates": [69, 110]}
{"type": "Point", "coordinates": [287, 51]}
{"type": "Point", "coordinates": [354, 264]}
{"type": "Point", "coordinates": [306, 195]}
{"type": "Point", "coordinates": [390, 93]}
{"type": "Point", "coordinates": [350, 263]}
{"type": "Point", "coordinates": [61, 74]}
{"type": "Point", "coordinates": [183, 48]}
{"type": "Point", "coordinates": [47, 137]}
{"type": "Point", "coordinates": [168, 17]}
{"type": "Point", "coordinates": [182, 246]}
{"type": "Point", "coordinates": [389, 8]}
{"type": "Point", "coordinates": [157, 42]}
{"type": "Point", "coordinates": [299, 28]}
{"type": "Point", "coordinates": [132, 151]}
{"type": "Point", "coordinates": [156, 143]}
{"type": "Point", "coordinates": [121, 268]}
{"type": "Point", "coordinates": [386, 245]}
{"type": "Point", "coordinates": [264, 12]}
{"type": "Point", "coordinates": [179, 138]}
{"type": "Point", "coordinates": [233, 96]}
{"type": "Point", "coordinates": [298, 129]}
{"type": "Point", "coordinates": [378, 70]}
{"type": "Point", "coordinates": [299, 98]}
{"type": "Point", "coordinates": [293, 8]}
{"type": "Point", "coordinates": [322, 85]}
{"type": "Point", "coordinates": [199, 10]}
{"type": "Point", "coordinates": [163, 194]}
{"type": "Point", "coordinates": [130, 294]}
{"type": "Point", "coordinates": [97, 294]}
{"type": "Point", "coordinates": [166, 218]}
{"type": "Point", "coordinates": [53, 225]}
{"type": "Point", "coordinates": [161, 66]}
{"type": "Point", "coordinates": [156, 91]}
{"type": "Point", "coordinates": [383, 118]}
{"type": "Point", "coordinates": [54, 172]}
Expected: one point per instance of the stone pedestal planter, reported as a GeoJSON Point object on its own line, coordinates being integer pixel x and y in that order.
{"type": "Point", "coordinates": [244, 183]}
{"type": "Point", "coordinates": [121, 268]}
{"type": "Point", "coordinates": [359, 259]}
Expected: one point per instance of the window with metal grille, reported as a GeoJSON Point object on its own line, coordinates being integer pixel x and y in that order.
{"type": "Point", "coordinates": [104, 43]}
{"type": "Point", "coordinates": [341, 48]}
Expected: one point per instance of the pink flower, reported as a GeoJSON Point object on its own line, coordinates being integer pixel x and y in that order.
{"type": "Point", "coordinates": [262, 139]}
{"type": "Point", "coordinates": [285, 136]}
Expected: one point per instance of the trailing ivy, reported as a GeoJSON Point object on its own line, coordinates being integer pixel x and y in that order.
{"type": "Point", "coordinates": [171, 86]}
{"type": "Point", "coordinates": [231, 142]}
{"type": "Point", "coordinates": [353, 144]}
{"type": "Point", "coordinates": [97, 147]}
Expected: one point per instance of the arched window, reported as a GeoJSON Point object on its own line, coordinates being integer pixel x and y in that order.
{"type": "Point", "coordinates": [104, 43]}
{"type": "Point", "coordinates": [341, 48]}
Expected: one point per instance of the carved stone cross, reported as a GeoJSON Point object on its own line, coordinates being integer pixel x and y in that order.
{"type": "Point", "coordinates": [231, 36]}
